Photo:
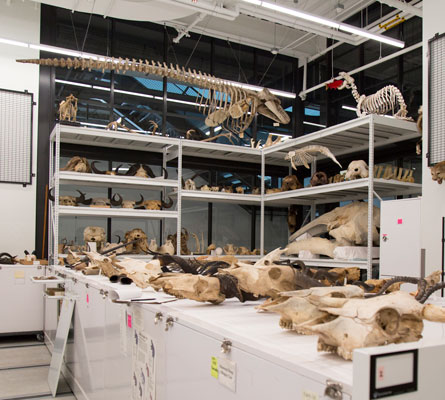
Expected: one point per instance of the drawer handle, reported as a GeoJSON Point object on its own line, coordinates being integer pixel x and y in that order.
{"type": "Point", "coordinates": [334, 390]}
{"type": "Point", "coordinates": [226, 346]}
{"type": "Point", "coordinates": [158, 317]}
{"type": "Point", "coordinates": [169, 323]}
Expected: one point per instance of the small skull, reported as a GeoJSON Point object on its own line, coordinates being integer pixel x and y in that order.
{"type": "Point", "coordinates": [67, 201]}
{"type": "Point", "coordinates": [357, 169]}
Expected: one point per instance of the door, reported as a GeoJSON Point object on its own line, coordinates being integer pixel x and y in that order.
{"type": "Point", "coordinates": [400, 238]}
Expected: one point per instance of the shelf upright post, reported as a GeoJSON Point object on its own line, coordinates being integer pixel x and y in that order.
{"type": "Point", "coordinates": [56, 196]}
{"type": "Point", "coordinates": [50, 205]}
{"type": "Point", "coordinates": [370, 196]}
{"type": "Point", "coordinates": [263, 175]}
{"type": "Point", "coordinates": [164, 191]}
{"type": "Point", "coordinates": [179, 205]}
{"type": "Point", "coordinates": [313, 205]}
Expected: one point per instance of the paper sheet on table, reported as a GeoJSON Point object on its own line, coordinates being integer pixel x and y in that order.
{"type": "Point", "coordinates": [356, 253]}
{"type": "Point", "coordinates": [125, 293]}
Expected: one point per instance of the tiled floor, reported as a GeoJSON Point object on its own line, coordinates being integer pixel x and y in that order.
{"type": "Point", "coordinates": [24, 365]}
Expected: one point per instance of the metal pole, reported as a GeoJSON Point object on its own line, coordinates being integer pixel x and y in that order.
{"type": "Point", "coordinates": [370, 196]}
{"type": "Point", "coordinates": [263, 174]}
{"type": "Point", "coordinates": [179, 205]}
{"type": "Point", "coordinates": [443, 251]}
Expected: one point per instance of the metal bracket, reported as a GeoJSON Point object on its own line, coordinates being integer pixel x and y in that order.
{"type": "Point", "coordinates": [334, 390]}
{"type": "Point", "coordinates": [158, 317]}
{"type": "Point", "coordinates": [226, 346]}
{"type": "Point", "coordinates": [169, 323]}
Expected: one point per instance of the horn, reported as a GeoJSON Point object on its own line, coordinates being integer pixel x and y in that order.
{"type": "Point", "coordinates": [148, 170]}
{"type": "Point", "coordinates": [116, 202]}
{"type": "Point", "coordinates": [118, 238]}
{"type": "Point", "coordinates": [116, 171]}
{"type": "Point", "coordinates": [169, 204]}
{"type": "Point", "coordinates": [138, 203]}
{"type": "Point", "coordinates": [95, 170]}
{"type": "Point", "coordinates": [165, 173]}
{"type": "Point", "coordinates": [132, 170]}
{"type": "Point", "coordinates": [81, 199]}
{"type": "Point", "coordinates": [50, 195]}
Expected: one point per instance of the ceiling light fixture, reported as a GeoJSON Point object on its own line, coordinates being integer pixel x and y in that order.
{"type": "Point", "coordinates": [314, 124]}
{"type": "Point", "coordinates": [327, 22]}
{"type": "Point", "coordinates": [349, 108]}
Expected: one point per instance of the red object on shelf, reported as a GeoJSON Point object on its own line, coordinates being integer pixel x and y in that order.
{"type": "Point", "coordinates": [335, 84]}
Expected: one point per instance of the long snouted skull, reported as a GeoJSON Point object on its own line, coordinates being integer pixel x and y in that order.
{"type": "Point", "coordinates": [393, 318]}
{"type": "Point", "coordinates": [299, 310]}
{"type": "Point", "coordinates": [357, 169]}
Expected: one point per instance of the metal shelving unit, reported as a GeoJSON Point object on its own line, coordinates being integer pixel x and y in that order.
{"type": "Point", "coordinates": [367, 133]}
{"type": "Point", "coordinates": [169, 147]}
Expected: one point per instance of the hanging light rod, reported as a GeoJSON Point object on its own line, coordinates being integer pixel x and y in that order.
{"type": "Point", "coordinates": [327, 22]}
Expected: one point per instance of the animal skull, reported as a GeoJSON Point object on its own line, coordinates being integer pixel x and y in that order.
{"type": "Point", "coordinates": [153, 246]}
{"type": "Point", "coordinates": [68, 200]}
{"type": "Point", "coordinates": [190, 185]}
{"type": "Point", "coordinates": [319, 178]}
{"type": "Point", "coordinates": [438, 172]}
{"type": "Point", "coordinates": [357, 169]}
{"type": "Point", "coordinates": [243, 251]}
{"type": "Point", "coordinates": [205, 188]}
{"type": "Point", "coordinates": [167, 248]}
{"type": "Point", "coordinates": [77, 164]}
{"type": "Point", "coordinates": [299, 310]}
{"type": "Point", "coordinates": [290, 182]}
{"type": "Point", "coordinates": [393, 318]}
{"type": "Point", "coordinates": [239, 189]}
{"type": "Point", "coordinates": [214, 188]}
{"type": "Point", "coordinates": [104, 202]}
{"type": "Point", "coordinates": [94, 234]}
{"type": "Point", "coordinates": [230, 249]}
{"type": "Point", "coordinates": [193, 287]}
{"type": "Point", "coordinates": [141, 245]}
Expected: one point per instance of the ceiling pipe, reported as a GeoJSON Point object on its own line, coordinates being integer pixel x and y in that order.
{"type": "Point", "coordinates": [185, 31]}
{"type": "Point", "coordinates": [212, 9]}
{"type": "Point", "coordinates": [400, 5]}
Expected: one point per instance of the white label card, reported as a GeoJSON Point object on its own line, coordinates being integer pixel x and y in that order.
{"type": "Point", "coordinates": [308, 395]}
{"type": "Point", "coordinates": [227, 373]}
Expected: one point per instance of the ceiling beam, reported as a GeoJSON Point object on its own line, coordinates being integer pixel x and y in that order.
{"type": "Point", "coordinates": [400, 5]}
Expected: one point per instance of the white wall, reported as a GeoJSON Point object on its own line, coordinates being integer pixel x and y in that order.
{"type": "Point", "coordinates": [19, 21]}
{"type": "Point", "coordinates": [433, 194]}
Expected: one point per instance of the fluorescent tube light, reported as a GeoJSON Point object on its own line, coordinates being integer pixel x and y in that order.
{"type": "Point", "coordinates": [217, 129]}
{"type": "Point", "coordinates": [56, 50]}
{"type": "Point", "coordinates": [73, 83]}
{"type": "Point", "coordinates": [13, 42]}
{"type": "Point", "coordinates": [327, 22]}
{"type": "Point", "coordinates": [349, 108]}
{"type": "Point", "coordinates": [314, 124]}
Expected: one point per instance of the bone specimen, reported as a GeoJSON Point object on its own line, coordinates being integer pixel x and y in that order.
{"type": "Point", "coordinates": [299, 310]}
{"type": "Point", "coordinates": [132, 203]}
{"type": "Point", "coordinates": [141, 246]}
{"type": "Point", "coordinates": [153, 246]}
{"type": "Point", "coordinates": [243, 251]}
{"type": "Point", "coordinates": [230, 249]}
{"type": "Point", "coordinates": [357, 169]}
{"type": "Point", "coordinates": [68, 109]}
{"type": "Point", "coordinates": [393, 318]}
{"type": "Point", "coordinates": [184, 239]}
{"type": "Point", "coordinates": [210, 247]}
{"type": "Point", "coordinates": [154, 204]}
{"type": "Point", "coordinates": [97, 171]}
{"type": "Point", "coordinates": [139, 271]}
{"type": "Point", "coordinates": [104, 202]}
{"type": "Point", "coordinates": [438, 172]}
{"type": "Point", "coordinates": [6, 258]}
{"type": "Point", "coordinates": [290, 182]}
{"type": "Point", "coordinates": [273, 190]}
{"type": "Point", "coordinates": [118, 124]}
{"type": "Point", "coordinates": [143, 171]}
{"type": "Point", "coordinates": [318, 179]}
{"type": "Point", "coordinates": [167, 248]}
{"type": "Point", "coordinates": [154, 126]}
{"type": "Point", "coordinates": [383, 101]}
{"type": "Point", "coordinates": [292, 218]}
{"type": "Point", "coordinates": [68, 200]}
{"type": "Point", "coordinates": [419, 124]}
{"type": "Point", "coordinates": [189, 185]}
{"type": "Point", "coordinates": [336, 178]}
{"type": "Point", "coordinates": [256, 190]}
{"type": "Point", "coordinates": [270, 140]}
{"type": "Point", "coordinates": [227, 189]}
{"type": "Point", "coordinates": [307, 154]}
{"type": "Point", "coordinates": [198, 244]}
{"type": "Point", "coordinates": [222, 103]}
{"type": "Point", "coordinates": [348, 225]}
{"type": "Point", "coordinates": [94, 234]}
{"type": "Point", "coordinates": [214, 188]}
{"type": "Point", "coordinates": [77, 164]}
{"type": "Point", "coordinates": [239, 189]}
{"type": "Point", "coordinates": [315, 245]}
{"type": "Point", "coordinates": [205, 188]}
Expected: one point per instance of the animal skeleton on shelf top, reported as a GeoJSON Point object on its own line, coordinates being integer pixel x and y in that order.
{"type": "Point", "coordinates": [223, 103]}
{"type": "Point", "coordinates": [68, 109]}
{"type": "Point", "coordinates": [381, 102]}
{"type": "Point", "coordinates": [307, 154]}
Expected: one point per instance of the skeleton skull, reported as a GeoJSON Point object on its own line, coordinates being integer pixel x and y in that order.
{"type": "Point", "coordinates": [239, 189]}
{"type": "Point", "coordinates": [230, 249]}
{"type": "Point", "coordinates": [193, 287]}
{"type": "Point", "coordinates": [319, 178]}
{"type": "Point", "coordinates": [357, 169]}
{"type": "Point", "coordinates": [189, 184]}
{"type": "Point", "coordinates": [77, 164]}
{"type": "Point", "coordinates": [438, 172]}
{"type": "Point", "coordinates": [393, 318]}
{"type": "Point", "coordinates": [141, 245]}
{"type": "Point", "coordinates": [299, 310]}
{"type": "Point", "coordinates": [67, 201]}
{"type": "Point", "coordinates": [290, 182]}
{"type": "Point", "coordinates": [94, 234]}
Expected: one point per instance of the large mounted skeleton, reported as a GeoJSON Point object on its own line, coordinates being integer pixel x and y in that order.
{"type": "Point", "coordinates": [223, 103]}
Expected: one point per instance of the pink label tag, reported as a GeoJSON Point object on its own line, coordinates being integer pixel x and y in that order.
{"type": "Point", "coordinates": [381, 373]}
{"type": "Point", "coordinates": [129, 320]}
{"type": "Point", "coordinates": [400, 221]}
{"type": "Point", "coordinates": [88, 299]}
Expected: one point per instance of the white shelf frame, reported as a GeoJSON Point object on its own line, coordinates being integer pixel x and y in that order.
{"type": "Point", "coordinates": [367, 133]}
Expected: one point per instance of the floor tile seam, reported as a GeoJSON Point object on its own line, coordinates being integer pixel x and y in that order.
{"type": "Point", "coordinates": [24, 367]}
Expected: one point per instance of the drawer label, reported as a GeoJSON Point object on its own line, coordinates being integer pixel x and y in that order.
{"type": "Point", "coordinates": [227, 373]}
{"type": "Point", "coordinates": [214, 367]}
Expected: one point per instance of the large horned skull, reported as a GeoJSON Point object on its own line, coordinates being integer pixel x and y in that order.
{"type": "Point", "coordinates": [393, 318]}
{"type": "Point", "coordinates": [94, 234]}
